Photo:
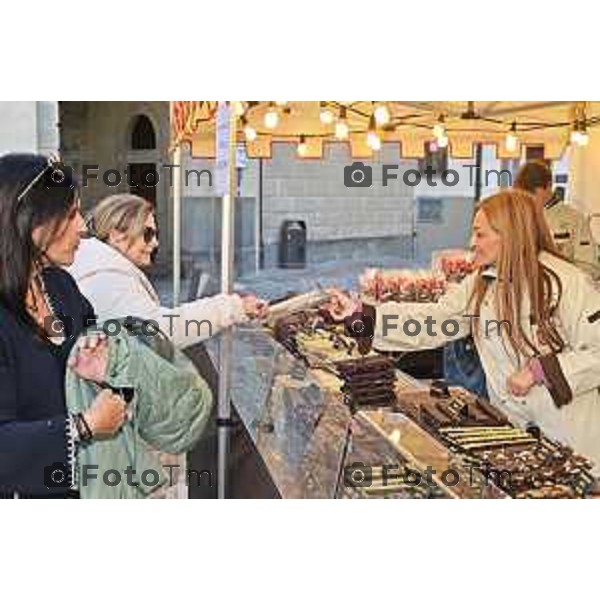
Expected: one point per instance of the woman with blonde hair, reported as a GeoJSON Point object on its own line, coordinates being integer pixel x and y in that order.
{"type": "Point", "coordinates": [534, 317]}
{"type": "Point", "coordinates": [109, 267]}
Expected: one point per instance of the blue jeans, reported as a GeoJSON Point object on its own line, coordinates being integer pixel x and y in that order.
{"type": "Point", "coordinates": [463, 367]}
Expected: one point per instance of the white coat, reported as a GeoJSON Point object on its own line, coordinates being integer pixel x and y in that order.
{"type": "Point", "coordinates": [576, 423]}
{"type": "Point", "coordinates": [117, 288]}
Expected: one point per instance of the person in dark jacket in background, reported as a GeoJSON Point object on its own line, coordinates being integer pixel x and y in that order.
{"type": "Point", "coordinates": [42, 313]}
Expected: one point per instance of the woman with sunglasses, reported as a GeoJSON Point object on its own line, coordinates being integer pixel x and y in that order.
{"type": "Point", "coordinates": [109, 270]}
{"type": "Point", "coordinates": [42, 313]}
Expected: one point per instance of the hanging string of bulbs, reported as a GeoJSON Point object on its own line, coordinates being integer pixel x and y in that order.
{"type": "Point", "coordinates": [379, 120]}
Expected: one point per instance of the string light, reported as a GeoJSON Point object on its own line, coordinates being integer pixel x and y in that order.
{"type": "Point", "coordinates": [575, 134]}
{"type": "Point", "coordinates": [439, 129]}
{"type": "Point", "coordinates": [302, 146]}
{"type": "Point", "coordinates": [341, 127]}
{"type": "Point", "coordinates": [442, 141]}
{"type": "Point", "coordinates": [382, 115]}
{"type": "Point", "coordinates": [326, 114]}
{"type": "Point", "coordinates": [239, 108]}
{"type": "Point", "coordinates": [511, 140]}
{"type": "Point", "coordinates": [249, 131]}
{"type": "Point", "coordinates": [579, 135]}
{"type": "Point", "coordinates": [373, 140]}
{"type": "Point", "coordinates": [379, 117]}
{"type": "Point", "coordinates": [271, 117]}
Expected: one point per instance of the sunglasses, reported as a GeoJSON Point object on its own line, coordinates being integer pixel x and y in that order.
{"type": "Point", "coordinates": [150, 234]}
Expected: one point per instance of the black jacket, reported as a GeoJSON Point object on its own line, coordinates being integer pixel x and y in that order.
{"type": "Point", "coordinates": [33, 417]}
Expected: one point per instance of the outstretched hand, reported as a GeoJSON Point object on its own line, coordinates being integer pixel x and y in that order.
{"type": "Point", "coordinates": [254, 307]}
{"type": "Point", "coordinates": [341, 305]}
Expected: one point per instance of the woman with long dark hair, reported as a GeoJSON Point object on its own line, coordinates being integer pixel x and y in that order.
{"type": "Point", "coordinates": [42, 313]}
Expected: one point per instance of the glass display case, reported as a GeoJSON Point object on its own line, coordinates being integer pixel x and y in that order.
{"type": "Point", "coordinates": [313, 446]}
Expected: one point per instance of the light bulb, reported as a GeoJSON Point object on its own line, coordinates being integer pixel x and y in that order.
{"type": "Point", "coordinates": [439, 129]}
{"type": "Point", "coordinates": [250, 133]}
{"type": "Point", "coordinates": [382, 114]}
{"type": "Point", "coordinates": [442, 141]}
{"type": "Point", "coordinates": [511, 142]}
{"type": "Point", "coordinates": [326, 116]}
{"type": "Point", "coordinates": [302, 147]}
{"type": "Point", "coordinates": [373, 141]}
{"type": "Point", "coordinates": [341, 129]}
{"type": "Point", "coordinates": [239, 108]}
{"type": "Point", "coordinates": [271, 118]}
{"type": "Point", "coordinates": [584, 138]}
{"type": "Point", "coordinates": [575, 136]}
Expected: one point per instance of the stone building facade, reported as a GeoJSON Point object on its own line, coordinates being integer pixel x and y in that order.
{"type": "Point", "coordinates": [342, 223]}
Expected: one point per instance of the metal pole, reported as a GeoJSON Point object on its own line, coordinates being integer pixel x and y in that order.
{"type": "Point", "coordinates": [477, 173]}
{"type": "Point", "coordinates": [261, 233]}
{"type": "Point", "coordinates": [177, 226]}
{"type": "Point", "coordinates": [257, 230]}
{"type": "Point", "coordinates": [226, 159]}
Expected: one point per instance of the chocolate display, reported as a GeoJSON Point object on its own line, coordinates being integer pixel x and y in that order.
{"type": "Point", "coordinates": [475, 433]}
{"type": "Point", "coordinates": [467, 439]}
{"type": "Point", "coordinates": [405, 483]}
{"type": "Point", "coordinates": [368, 381]}
{"type": "Point", "coordinates": [454, 264]}
{"type": "Point", "coordinates": [402, 286]}
{"type": "Point", "coordinates": [524, 466]}
{"type": "Point", "coordinates": [314, 338]}
{"type": "Point", "coordinates": [443, 406]}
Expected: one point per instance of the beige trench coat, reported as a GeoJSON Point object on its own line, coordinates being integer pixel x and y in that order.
{"type": "Point", "coordinates": [573, 375]}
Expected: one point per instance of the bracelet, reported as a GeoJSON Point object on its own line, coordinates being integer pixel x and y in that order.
{"type": "Point", "coordinates": [81, 433]}
{"type": "Point", "coordinates": [126, 393]}
{"type": "Point", "coordinates": [83, 428]}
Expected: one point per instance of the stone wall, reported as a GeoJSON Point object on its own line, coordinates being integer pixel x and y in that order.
{"type": "Point", "coordinates": [98, 133]}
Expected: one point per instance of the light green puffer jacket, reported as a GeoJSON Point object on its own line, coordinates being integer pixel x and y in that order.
{"type": "Point", "coordinates": [169, 412]}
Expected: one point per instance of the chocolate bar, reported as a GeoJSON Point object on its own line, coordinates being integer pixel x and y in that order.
{"type": "Point", "coordinates": [368, 381]}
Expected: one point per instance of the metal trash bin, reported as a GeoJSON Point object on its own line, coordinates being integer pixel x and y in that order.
{"type": "Point", "coordinates": [292, 245]}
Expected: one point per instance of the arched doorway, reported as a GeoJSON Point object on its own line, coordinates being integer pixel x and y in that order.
{"type": "Point", "coordinates": [142, 175]}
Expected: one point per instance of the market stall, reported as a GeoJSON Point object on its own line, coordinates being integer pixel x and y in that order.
{"type": "Point", "coordinates": [285, 414]}
{"type": "Point", "coordinates": [326, 422]}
